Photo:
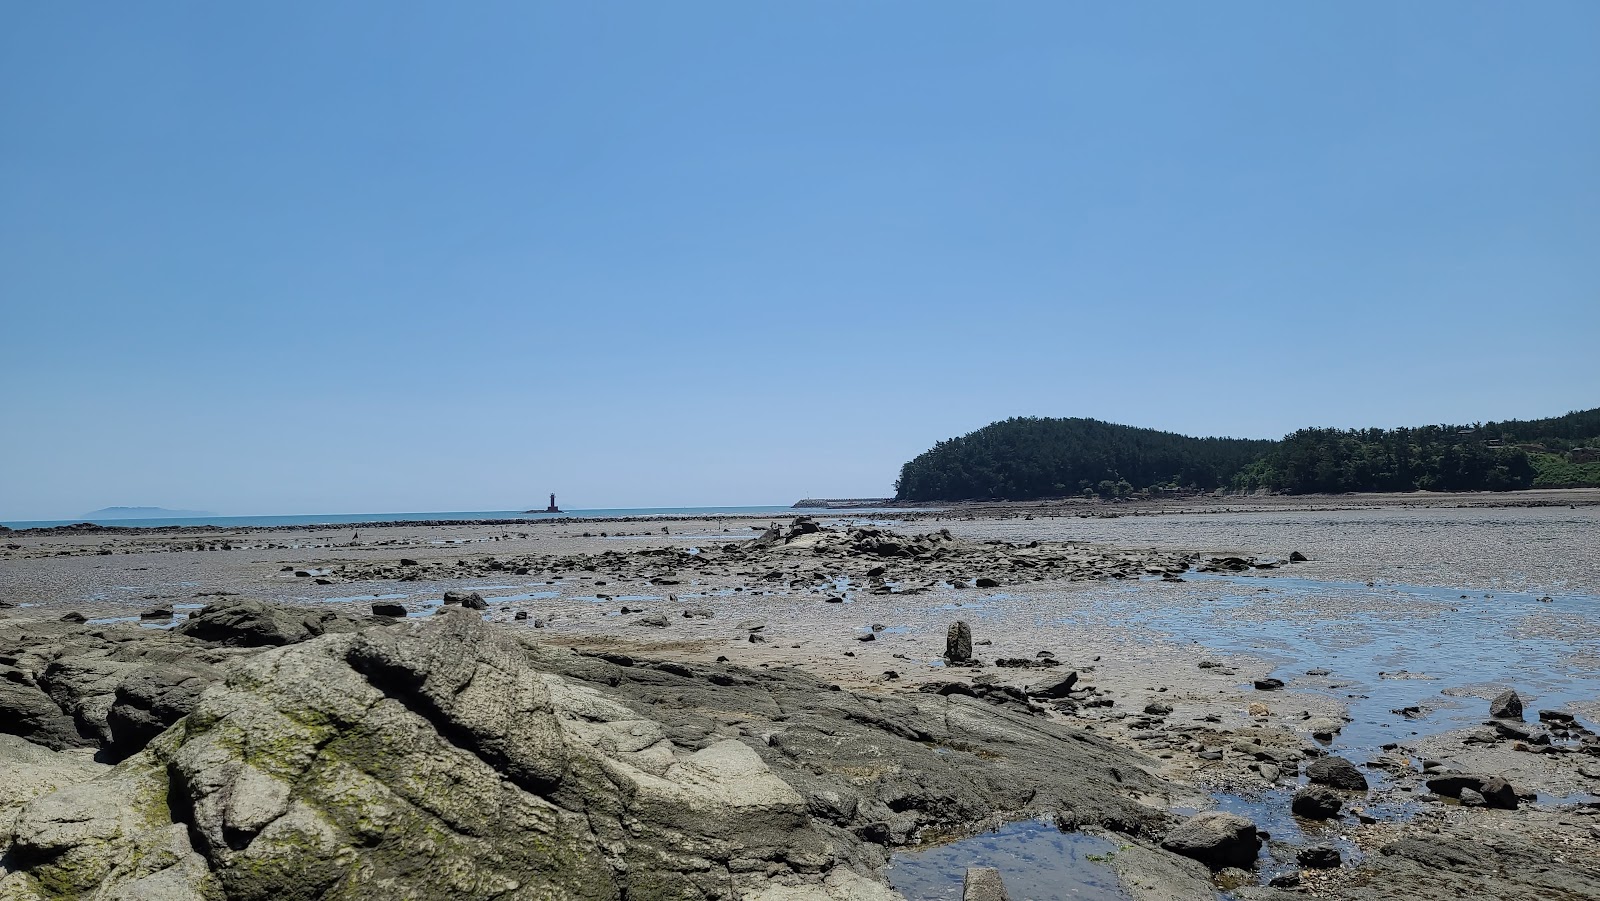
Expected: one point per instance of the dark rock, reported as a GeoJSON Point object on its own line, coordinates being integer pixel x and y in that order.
{"type": "Point", "coordinates": [1496, 791]}
{"type": "Point", "coordinates": [958, 642]}
{"type": "Point", "coordinates": [1054, 688]}
{"type": "Point", "coordinates": [698, 613]}
{"type": "Point", "coordinates": [245, 622]}
{"type": "Point", "coordinates": [157, 613]}
{"type": "Point", "coordinates": [1319, 857]}
{"type": "Point", "coordinates": [1337, 772]}
{"type": "Point", "coordinates": [1268, 684]}
{"type": "Point", "coordinates": [870, 636]}
{"type": "Point", "coordinates": [1297, 557]}
{"type": "Point", "coordinates": [520, 615]}
{"type": "Point", "coordinates": [150, 700]}
{"type": "Point", "coordinates": [659, 620]}
{"type": "Point", "coordinates": [74, 617]}
{"type": "Point", "coordinates": [1470, 798]}
{"type": "Point", "coordinates": [1506, 705]}
{"type": "Point", "coordinates": [25, 710]}
{"type": "Point", "coordinates": [1316, 802]}
{"type": "Point", "coordinates": [986, 583]}
{"type": "Point", "coordinates": [387, 608]}
{"type": "Point", "coordinates": [1216, 839]}
{"type": "Point", "coordinates": [1158, 709]}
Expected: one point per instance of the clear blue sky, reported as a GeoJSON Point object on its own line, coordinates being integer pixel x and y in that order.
{"type": "Point", "coordinates": [317, 257]}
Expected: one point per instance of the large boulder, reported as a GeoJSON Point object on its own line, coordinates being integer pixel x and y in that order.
{"type": "Point", "coordinates": [1216, 839]}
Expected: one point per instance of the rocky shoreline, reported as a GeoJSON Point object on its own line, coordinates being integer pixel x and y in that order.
{"type": "Point", "coordinates": [680, 747]}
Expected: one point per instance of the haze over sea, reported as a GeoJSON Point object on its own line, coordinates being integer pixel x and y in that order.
{"type": "Point", "coordinates": [341, 519]}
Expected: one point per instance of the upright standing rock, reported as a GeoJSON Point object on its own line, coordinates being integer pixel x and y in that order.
{"type": "Point", "coordinates": [958, 642]}
{"type": "Point", "coordinates": [983, 883]}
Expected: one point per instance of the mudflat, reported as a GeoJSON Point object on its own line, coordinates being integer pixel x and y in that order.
{"type": "Point", "coordinates": [839, 706]}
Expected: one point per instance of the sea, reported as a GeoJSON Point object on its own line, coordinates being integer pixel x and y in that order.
{"type": "Point", "coordinates": [338, 519]}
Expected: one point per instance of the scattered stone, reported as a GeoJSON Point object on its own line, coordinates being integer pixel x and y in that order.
{"type": "Point", "coordinates": [1158, 709]}
{"type": "Point", "coordinates": [659, 620]}
{"type": "Point", "coordinates": [1316, 802]}
{"type": "Point", "coordinates": [1319, 857]}
{"type": "Point", "coordinates": [1337, 772]}
{"type": "Point", "coordinates": [1506, 705]}
{"type": "Point", "coordinates": [1471, 798]}
{"type": "Point", "coordinates": [986, 583]}
{"type": "Point", "coordinates": [698, 613]}
{"type": "Point", "coordinates": [1054, 689]}
{"type": "Point", "coordinates": [1216, 839]}
{"type": "Point", "coordinates": [386, 608]}
{"type": "Point", "coordinates": [1297, 557]}
{"type": "Point", "coordinates": [983, 884]}
{"type": "Point", "coordinates": [1496, 791]}
{"type": "Point", "coordinates": [74, 617]}
{"type": "Point", "coordinates": [1268, 684]}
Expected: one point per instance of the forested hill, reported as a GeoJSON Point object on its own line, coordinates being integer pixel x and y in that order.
{"type": "Point", "coordinates": [1560, 452]}
{"type": "Point", "coordinates": [1024, 458]}
{"type": "Point", "coordinates": [1032, 457]}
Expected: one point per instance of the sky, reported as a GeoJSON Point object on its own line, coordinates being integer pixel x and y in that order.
{"type": "Point", "coordinates": [384, 256]}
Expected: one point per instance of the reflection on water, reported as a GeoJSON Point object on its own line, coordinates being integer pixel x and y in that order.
{"type": "Point", "coordinates": [1389, 646]}
{"type": "Point", "coordinates": [1037, 861]}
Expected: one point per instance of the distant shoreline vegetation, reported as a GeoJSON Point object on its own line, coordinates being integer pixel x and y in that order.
{"type": "Point", "coordinates": [1027, 458]}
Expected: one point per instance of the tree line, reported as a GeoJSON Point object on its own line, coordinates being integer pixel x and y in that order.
{"type": "Point", "coordinates": [1025, 458]}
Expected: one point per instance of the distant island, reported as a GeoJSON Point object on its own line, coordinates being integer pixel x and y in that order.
{"type": "Point", "coordinates": [144, 513]}
{"type": "Point", "coordinates": [1027, 458]}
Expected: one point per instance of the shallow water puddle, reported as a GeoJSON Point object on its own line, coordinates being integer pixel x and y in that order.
{"type": "Point", "coordinates": [1038, 862]}
{"type": "Point", "coordinates": [1390, 647]}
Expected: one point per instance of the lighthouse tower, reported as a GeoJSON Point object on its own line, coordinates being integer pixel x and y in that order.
{"type": "Point", "coordinates": [552, 508]}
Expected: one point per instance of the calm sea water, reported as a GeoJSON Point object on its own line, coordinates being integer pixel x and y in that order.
{"type": "Point", "coordinates": [334, 519]}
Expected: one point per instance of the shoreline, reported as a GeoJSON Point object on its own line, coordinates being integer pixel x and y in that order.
{"type": "Point", "coordinates": [917, 510]}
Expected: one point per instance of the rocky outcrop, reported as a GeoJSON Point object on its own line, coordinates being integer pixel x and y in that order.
{"type": "Point", "coordinates": [446, 759]}
{"type": "Point", "coordinates": [246, 622]}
